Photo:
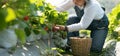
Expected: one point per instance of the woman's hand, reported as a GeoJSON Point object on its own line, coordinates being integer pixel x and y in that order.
{"type": "Point", "coordinates": [59, 27]}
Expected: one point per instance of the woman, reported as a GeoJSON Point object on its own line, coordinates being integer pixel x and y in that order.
{"type": "Point", "coordinates": [90, 16]}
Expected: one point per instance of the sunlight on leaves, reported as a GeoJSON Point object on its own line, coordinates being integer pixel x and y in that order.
{"type": "Point", "coordinates": [114, 21]}
{"type": "Point", "coordinates": [11, 15]}
{"type": "Point", "coordinates": [42, 19]}
{"type": "Point", "coordinates": [39, 3]}
{"type": "Point", "coordinates": [113, 16]}
{"type": "Point", "coordinates": [32, 1]}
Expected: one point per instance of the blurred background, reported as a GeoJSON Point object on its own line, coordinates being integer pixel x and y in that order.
{"type": "Point", "coordinates": [25, 32]}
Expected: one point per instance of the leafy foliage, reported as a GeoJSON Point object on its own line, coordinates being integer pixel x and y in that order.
{"type": "Point", "coordinates": [21, 35]}
{"type": "Point", "coordinates": [114, 18]}
{"type": "Point", "coordinates": [35, 16]}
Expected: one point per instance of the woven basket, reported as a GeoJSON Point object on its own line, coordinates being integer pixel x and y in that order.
{"type": "Point", "coordinates": [80, 46]}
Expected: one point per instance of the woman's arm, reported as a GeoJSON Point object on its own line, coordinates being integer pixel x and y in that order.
{"type": "Point", "coordinates": [64, 6]}
{"type": "Point", "coordinates": [87, 18]}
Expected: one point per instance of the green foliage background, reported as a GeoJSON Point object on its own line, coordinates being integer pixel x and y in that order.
{"type": "Point", "coordinates": [114, 18]}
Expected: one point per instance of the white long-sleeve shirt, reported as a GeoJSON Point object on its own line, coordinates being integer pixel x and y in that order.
{"type": "Point", "coordinates": [92, 11]}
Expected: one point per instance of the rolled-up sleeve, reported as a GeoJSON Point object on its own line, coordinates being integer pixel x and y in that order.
{"type": "Point", "coordinates": [65, 5]}
{"type": "Point", "coordinates": [87, 18]}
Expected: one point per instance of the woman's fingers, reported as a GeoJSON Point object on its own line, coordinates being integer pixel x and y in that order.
{"type": "Point", "coordinates": [55, 28]}
{"type": "Point", "coordinates": [59, 27]}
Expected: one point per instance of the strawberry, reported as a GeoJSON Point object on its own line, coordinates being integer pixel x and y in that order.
{"type": "Point", "coordinates": [46, 28]}
{"type": "Point", "coordinates": [26, 18]}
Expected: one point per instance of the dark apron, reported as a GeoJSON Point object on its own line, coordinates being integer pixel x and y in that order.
{"type": "Point", "coordinates": [96, 24]}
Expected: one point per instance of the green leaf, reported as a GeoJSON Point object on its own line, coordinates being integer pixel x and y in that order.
{"type": "Point", "coordinates": [42, 8]}
{"type": "Point", "coordinates": [39, 3]}
{"type": "Point", "coordinates": [11, 15]}
{"type": "Point", "coordinates": [43, 32]}
{"type": "Point", "coordinates": [42, 19]}
{"type": "Point", "coordinates": [27, 31]}
{"type": "Point", "coordinates": [21, 35]}
{"type": "Point", "coordinates": [32, 1]}
{"type": "Point", "coordinates": [118, 16]}
{"type": "Point", "coordinates": [36, 31]}
{"type": "Point", "coordinates": [3, 24]}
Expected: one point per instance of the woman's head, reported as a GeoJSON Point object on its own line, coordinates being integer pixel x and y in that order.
{"type": "Point", "coordinates": [80, 2]}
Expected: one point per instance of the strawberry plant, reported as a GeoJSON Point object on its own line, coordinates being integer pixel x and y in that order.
{"type": "Point", "coordinates": [35, 16]}
{"type": "Point", "coordinates": [27, 17]}
{"type": "Point", "coordinates": [114, 18]}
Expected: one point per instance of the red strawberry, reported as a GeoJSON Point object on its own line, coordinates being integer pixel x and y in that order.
{"type": "Point", "coordinates": [26, 18]}
{"type": "Point", "coordinates": [46, 28]}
